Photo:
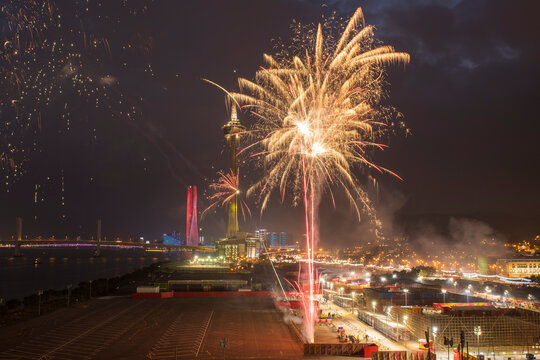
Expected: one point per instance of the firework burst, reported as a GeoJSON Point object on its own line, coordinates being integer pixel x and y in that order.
{"type": "Point", "coordinates": [319, 117]}
{"type": "Point", "coordinates": [225, 190]}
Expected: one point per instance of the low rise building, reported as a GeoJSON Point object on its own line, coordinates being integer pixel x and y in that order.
{"type": "Point", "coordinates": [520, 267]}
{"type": "Point", "coordinates": [242, 245]}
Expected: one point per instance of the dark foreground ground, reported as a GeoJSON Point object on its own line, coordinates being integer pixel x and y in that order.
{"type": "Point", "coordinates": [183, 328]}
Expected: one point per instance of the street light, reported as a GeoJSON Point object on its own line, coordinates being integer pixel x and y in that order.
{"type": "Point", "coordinates": [69, 292]}
{"type": "Point", "coordinates": [467, 292]}
{"type": "Point", "coordinates": [40, 292]}
{"type": "Point", "coordinates": [444, 295]}
{"type": "Point", "coordinates": [434, 331]}
{"type": "Point", "coordinates": [478, 332]}
{"type": "Point", "coordinates": [374, 304]}
{"type": "Point", "coordinates": [406, 293]}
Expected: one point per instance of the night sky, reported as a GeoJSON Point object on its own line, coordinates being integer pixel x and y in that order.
{"type": "Point", "coordinates": [469, 97]}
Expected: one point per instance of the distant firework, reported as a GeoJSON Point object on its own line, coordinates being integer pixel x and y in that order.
{"type": "Point", "coordinates": [55, 71]}
{"type": "Point", "coordinates": [319, 117]}
{"type": "Point", "coordinates": [22, 27]}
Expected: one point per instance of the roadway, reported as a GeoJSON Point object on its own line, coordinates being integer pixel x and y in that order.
{"type": "Point", "coordinates": [353, 326]}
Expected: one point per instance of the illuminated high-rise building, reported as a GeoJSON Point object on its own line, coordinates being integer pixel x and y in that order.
{"type": "Point", "coordinates": [271, 238]}
{"type": "Point", "coordinates": [262, 234]}
{"type": "Point", "coordinates": [192, 231]}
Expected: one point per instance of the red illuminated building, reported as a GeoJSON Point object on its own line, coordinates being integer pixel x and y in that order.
{"type": "Point", "coordinates": [192, 233]}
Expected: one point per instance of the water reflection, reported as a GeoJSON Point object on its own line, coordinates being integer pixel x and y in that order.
{"type": "Point", "coordinates": [62, 266]}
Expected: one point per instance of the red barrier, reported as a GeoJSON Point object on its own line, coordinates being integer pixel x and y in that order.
{"type": "Point", "coordinates": [369, 350]}
{"type": "Point", "coordinates": [191, 294]}
{"type": "Point", "coordinates": [289, 304]}
{"type": "Point", "coordinates": [349, 349]}
{"type": "Point", "coordinates": [162, 295]}
{"type": "Point", "coordinates": [395, 355]}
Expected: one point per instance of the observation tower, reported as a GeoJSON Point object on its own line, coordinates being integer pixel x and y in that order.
{"type": "Point", "coordinates": [236, 244]}
{"type": "Point", "coordinates": [233, 132]}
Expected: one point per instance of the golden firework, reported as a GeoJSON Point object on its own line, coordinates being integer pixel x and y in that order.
{"type": "Point", "coordinates": [318, 112]}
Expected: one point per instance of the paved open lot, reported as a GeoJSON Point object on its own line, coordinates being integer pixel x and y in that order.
{"type": "Point", "coordinates": [182, 328]}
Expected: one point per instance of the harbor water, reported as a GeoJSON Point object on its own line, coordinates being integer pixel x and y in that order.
{"type": "Point", "coordinates": [56, 268]}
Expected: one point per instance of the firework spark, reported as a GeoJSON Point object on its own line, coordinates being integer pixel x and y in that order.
{"type": "Point", "coordinates": [319, 117]}
{"type": "Point", "coordinates": [225, 190]}
{"type": "Point", "coordinates": [54, 71]}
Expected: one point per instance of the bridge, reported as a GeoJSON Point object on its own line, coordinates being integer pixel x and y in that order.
{"type": "Point", "coordinates": [18, 242]}
{"type": "Point", "coordinates": [52, 242]}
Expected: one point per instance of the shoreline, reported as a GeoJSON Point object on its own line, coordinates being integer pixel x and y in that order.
{"type": "Point", "coordinates": [17, 310]}
{"type": "Point", "coordinates": [57, 268]}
